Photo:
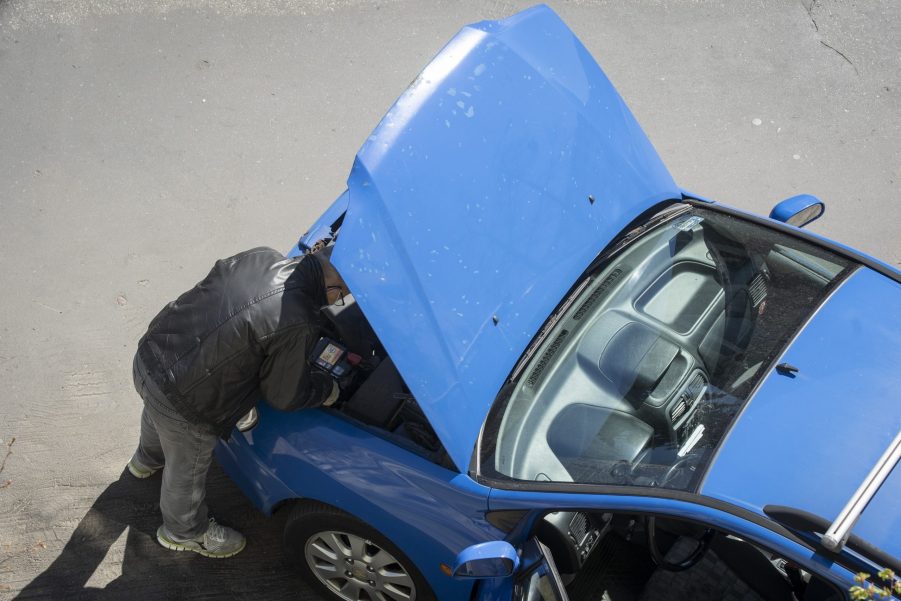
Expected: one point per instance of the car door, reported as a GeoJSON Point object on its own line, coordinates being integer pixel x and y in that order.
{"type": "Point", "coordinates": [538, 579]}
{"type": "Point", "coordinates": [706, 548]}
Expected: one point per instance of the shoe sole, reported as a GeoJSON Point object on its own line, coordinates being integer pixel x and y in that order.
{"type": "Point", "coordinates": [175, 546]}
{"type": "Point", "coordinates": [140, 475]}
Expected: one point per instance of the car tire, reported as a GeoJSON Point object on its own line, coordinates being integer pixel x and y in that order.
{"type": "Point", "coordinates": [345, 558]}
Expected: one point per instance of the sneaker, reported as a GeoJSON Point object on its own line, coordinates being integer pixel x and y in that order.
{"type": "Point", "coordinates": [139, 470]}
{"type": "Point", "coordinates": [218, 541]}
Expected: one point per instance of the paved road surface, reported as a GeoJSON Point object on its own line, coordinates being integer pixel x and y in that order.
{"type": "Point", "coordinates": [140, 141]}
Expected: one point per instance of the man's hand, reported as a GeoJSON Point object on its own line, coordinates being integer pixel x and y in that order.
{"type": "Point", "coordinates": [333, 395]}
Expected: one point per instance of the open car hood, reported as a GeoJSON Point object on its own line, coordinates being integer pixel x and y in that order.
{"type": "Point", "coordinates": [489, 186]}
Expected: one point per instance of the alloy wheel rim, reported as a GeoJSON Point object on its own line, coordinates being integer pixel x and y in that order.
{"type": "Point", "coordinates": [357, 569]}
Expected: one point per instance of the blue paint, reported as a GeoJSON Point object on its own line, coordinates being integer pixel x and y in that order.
{"type": "Point", "coordinates": [809, 441]}
{"type": "Point", "coordinates": [499, 141]}
{"type": "Point", "coordinates": [498, 144]}
{"type": "Point", "coordinates": [788, 210]}
{"type": "Point", "coordinates": [483, 560]}
{"type": "Point", "coordinates": [429, 512]}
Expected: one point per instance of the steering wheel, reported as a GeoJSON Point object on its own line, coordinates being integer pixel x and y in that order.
{"type": "Point", "coordinates": [676, 470]}
{"type": "Point", "coordinates": [679, 566]}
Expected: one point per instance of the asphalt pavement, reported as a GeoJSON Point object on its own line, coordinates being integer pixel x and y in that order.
{"type": "Point", "coordinates": [141, 141]}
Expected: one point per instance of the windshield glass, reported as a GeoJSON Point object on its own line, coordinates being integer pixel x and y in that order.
{"type": "Point", "coordinates": [640, 372]}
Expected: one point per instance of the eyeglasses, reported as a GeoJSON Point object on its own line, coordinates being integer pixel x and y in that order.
{"type": "Point", "coordinates": [339, 302]}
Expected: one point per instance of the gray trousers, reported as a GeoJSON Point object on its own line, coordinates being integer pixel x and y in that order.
{"type": "Point", "coordinates": [185, 450]}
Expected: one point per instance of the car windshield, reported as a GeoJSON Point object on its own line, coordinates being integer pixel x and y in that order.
{"type": "Point", "coordinates": [638, 375]}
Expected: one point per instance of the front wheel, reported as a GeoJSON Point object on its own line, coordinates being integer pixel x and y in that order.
{"type": "Point", "coordinates": [349, 560]}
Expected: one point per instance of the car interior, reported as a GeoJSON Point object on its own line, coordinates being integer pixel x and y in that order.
{"type": "Point", "coordinates": [622, 557]}
{"type": "Point", "coordinates": [638, 375]}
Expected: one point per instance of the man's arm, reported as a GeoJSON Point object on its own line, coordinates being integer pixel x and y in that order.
{"type": "Point", "coordinates": [286, 379]}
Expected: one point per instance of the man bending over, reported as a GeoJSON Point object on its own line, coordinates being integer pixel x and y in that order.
{"type": "Point", "coordinates": [243, 332]}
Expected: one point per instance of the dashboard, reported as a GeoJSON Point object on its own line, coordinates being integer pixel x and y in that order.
{"type": "Point", "coordinates": [620, 392]}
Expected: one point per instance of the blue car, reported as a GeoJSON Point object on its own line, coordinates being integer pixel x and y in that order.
{"type": "Point", "coordinates": [565, 377]}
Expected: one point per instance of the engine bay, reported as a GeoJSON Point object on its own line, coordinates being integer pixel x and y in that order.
{"type": "Point", "coordinates": [373, 393]}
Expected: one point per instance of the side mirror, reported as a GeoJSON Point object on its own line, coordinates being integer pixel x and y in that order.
{"type": "Point", "coordinates": [494, 559]}
{"type": "Point", "coordinates": [798, 210]}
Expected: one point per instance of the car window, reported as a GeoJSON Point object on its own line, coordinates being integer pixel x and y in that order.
{"type": "Point", "coordinates": [600, 555]}
{"type": "Point", "coordinates": [638, 375]}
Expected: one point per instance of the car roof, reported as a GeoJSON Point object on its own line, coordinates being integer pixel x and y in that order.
{"type": "Point", "coordinates": [809, 441]}
{"type": "Point", "coordinates": [489, 186]}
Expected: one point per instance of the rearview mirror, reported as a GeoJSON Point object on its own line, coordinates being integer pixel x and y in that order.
{"type": "Point", "coordinates": [798, 210]}
{"type": "Point", "coordinates": [494, 559]}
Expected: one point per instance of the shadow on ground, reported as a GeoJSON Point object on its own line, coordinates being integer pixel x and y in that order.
{"type": "Point", "coordinates": [261, 571]}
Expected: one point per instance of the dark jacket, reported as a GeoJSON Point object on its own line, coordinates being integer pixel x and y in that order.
{"type": "Point", "coordinates": [247, 328]}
